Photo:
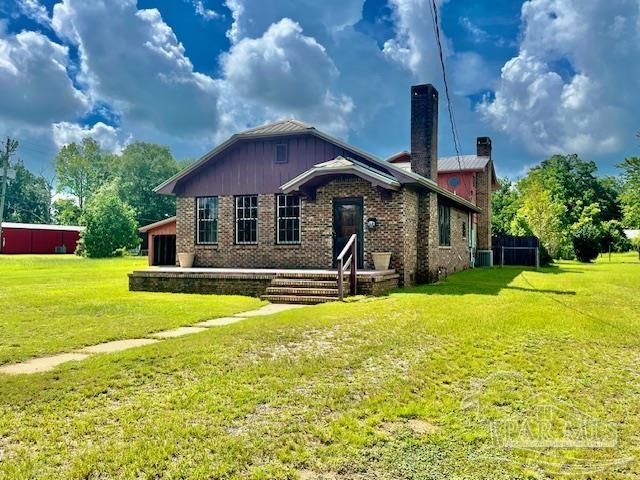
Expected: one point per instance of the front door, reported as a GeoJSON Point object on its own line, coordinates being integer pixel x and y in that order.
{"type": "Point", "coordinates": [347, 220]}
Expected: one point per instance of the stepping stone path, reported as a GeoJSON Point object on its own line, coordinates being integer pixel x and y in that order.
{"type": "Point", "coordinates": [44, 364]}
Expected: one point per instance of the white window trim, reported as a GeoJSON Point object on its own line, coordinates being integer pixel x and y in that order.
{"type": "Point", "coordinates": [278, 218]}
{"type": "Point", "coordinates": [216, 220]}
{"type": "Point", "coordinates": [237, 198]}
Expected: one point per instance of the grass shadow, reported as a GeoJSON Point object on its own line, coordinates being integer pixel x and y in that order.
{"type": "Point", "coordinates": [485, 281]}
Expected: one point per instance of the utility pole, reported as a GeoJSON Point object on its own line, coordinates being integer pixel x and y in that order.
{"type": "Point", "coordinates": [10, 147]}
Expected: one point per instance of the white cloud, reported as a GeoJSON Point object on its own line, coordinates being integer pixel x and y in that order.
{"type": "Point", "coordinates": [587, 111]}
{"type": "Point", "coordinates": [415, 47]}
{"type": "Point", "coordinates": [251, 18]}
{"type": "Point", "coordinates": [109, 138]}
{"type": "Point", "coordinates": [36, 88]}
{"type": "Point", "coordinates": [204, 12]}
{"type": "Point", "coordinates": [34, 10]}
{"type": "Point", "coordinates": [132, 60]}
{"type": "Point", "coordinates": [288, 73]}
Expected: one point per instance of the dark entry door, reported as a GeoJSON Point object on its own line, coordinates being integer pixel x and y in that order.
{"type": "Point", "coordinates": [347, 220]}
{"type": "Point", "coordinates": [164, 249]}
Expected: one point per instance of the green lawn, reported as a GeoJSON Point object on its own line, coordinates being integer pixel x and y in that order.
{"type": "Point", "coordinates": [482, 376]}
{"type": "Point", "coordinates": [53, 304]}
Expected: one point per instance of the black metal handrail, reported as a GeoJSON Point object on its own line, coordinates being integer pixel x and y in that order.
{"type": "Point", "coordinates": [352, 245]}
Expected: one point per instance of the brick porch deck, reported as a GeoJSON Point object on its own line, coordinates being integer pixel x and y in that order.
{"type": "Point", "coordinates": [246, 281]}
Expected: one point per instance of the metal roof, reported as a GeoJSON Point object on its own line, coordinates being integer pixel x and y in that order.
{"type": "Point", "coordinates": [346, 166]}
{"type": "Point", "coordinates": [467, 162]}
{"type": "Point", "coordinates": [151, 226]}
{"type": "Point", "coordinates": [292, 127]}
{"type": "Point", "coordinates": [38, 226]}
{"type": "Point", "coordinates": [283, 126]}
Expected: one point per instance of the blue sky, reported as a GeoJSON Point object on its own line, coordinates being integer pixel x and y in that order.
{"type": "Point", "coordinates": [539, 77]}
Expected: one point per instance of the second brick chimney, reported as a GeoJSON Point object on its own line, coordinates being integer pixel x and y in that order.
{"type": "Point", "coordinates": [424, 131]}
{"type": "Point", "coordinates": [483, 147]}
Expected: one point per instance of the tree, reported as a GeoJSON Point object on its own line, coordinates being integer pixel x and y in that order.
{"type": "Point", "coordinates": [141, 168]}
{"type": "Point", "coordinates": [28, 197]}
{"type": "Point", "coordinates": [66, 212]}
{"type": "Point", "coordinates": [587, 234]}
{"type": "Point", "coordinates": [110, 225]}
{"type": "Point", "coordinates": [630, 196]}
{"type": "Point", "coordinates": [82, 169]}
{"type": "Point", "coordinates": [543, 216]}
{"type": "Point", "coordinates": [505, 204]}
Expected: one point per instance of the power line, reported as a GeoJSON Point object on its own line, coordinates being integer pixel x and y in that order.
{"type": "Point", "coordinates": [10, 146]}
{"type": "Point", "coordinates": [454, 129]}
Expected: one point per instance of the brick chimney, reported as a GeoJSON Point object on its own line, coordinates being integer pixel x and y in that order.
{"type": "Point", "coordinates": [424, 131]}
{"type": "Point", "coordinates": [484, 183]}
{"type": "Point", "coordinates": [483, 147]}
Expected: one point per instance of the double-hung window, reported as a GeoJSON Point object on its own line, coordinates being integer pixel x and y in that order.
{"type": "Point", "coordinates": [444, 224]}
{"type": "Point", "coordinates": [288, 210]}
{"type": "Point", "coordinates": [247, 219]}
{"type": "Point", "coordinates": [207, 228]}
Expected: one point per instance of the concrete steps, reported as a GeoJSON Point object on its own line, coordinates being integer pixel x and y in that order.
{"type": "Point", "coordinates": [304, 288]}
{"type": "Point", "coordinates": [298, 299]}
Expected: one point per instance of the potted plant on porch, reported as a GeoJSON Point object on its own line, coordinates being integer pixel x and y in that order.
{"type": "Point", "coordinates": [186, 259]}
{"type": "Point", "coordinates": [381, 260]}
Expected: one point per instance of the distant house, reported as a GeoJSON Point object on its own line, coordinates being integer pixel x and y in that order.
{"type": "Point", "coordinates": [36, 238]}
{"type": "Point", "coordinates": [287, 195]}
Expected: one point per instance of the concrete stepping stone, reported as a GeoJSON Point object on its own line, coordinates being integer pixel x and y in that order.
{"type": "Point", "coordinates": [42, 364]}
{"type": "Point", "coordinates": [177, 332]}
{"type": "Point", "coordinates": [217, 322]}
{"type": "Point", "coordinates": [118, 345]}
{"type": "Point", "coordinates": [269, 309]}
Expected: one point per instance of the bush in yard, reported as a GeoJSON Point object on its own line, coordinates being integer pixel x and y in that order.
{"type": "Point", "coordinates": [110, 225]}
{"type": "Point", "coordinates": [586, 242]}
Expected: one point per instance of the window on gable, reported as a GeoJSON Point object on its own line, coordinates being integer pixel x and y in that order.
{"type": "Point", "coordinates": [289, 213]}
{"type": "Point", "coordinates": [282, 153]}
{"type": "Point", "coordinates": [444, 224]}
{"type": "Point", "coordinates": [464, 229]}
{"type": "Point", "coordinates": [247, 219]}
{"type": "Point", "coordinates": [207, 228]}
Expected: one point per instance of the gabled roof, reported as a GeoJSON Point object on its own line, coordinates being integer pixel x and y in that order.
{"type": "Point", "coordinates": [344, 166]}
{"type": "Point", "coordinates": [294, 127]}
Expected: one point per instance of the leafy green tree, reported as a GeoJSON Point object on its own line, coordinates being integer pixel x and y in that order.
{"type": "Point", "coordinates": [630, 196]}
{"type": "Point", "coordinates": [110, 225]}
{"type": "Point", "coordinates": [27, 198]}
{"type": "Point", "coordinates": [543, 216]}
{"type": "Point", "coordinates": [505, 204]}
{"type": "Point", "coordinates": [587, 233]}
{"type": "Point", "coordinates": [141, 168]}
{"type": "Point", "coordinates": [613, 237]}
{"type": "Point", "coordinates": [82, 168]}
{"type": "Point", "coordinates": [66, 212]}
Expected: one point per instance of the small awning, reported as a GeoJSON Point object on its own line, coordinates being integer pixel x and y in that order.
{"type": "Point", "coordinates": [318, 174]}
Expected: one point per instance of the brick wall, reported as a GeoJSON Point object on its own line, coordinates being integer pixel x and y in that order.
{"type": "Point", "coordinates": [483, 197]}
{"type": "Point", "coordinates": [453, 258]}
{"type": "Point", "coordinates": [316, 248]}
{"type": "Point", "coordinates": [407, 226]}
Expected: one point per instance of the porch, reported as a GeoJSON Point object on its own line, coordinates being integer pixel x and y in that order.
{"type": "Point", "coordinates": [275, 284]}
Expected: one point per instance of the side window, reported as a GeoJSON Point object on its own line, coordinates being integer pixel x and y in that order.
{"type": "Point", "coordinates": [207, 228]}
{"type": "Point", "coordinates": [444, 224]}
{"type": "Point", "coordinates": [247, 219]}
{"type": "Point", "coordinates": [289, 214]}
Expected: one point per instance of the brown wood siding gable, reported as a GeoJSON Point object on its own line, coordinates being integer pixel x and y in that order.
{"type": "Point", "coordinates": [249, 167]}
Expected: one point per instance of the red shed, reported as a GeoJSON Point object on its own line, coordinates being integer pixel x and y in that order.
{"type": "Point", "coordinates": [35, 238]}
{"type": "Point", "coordinates": [162, 241]}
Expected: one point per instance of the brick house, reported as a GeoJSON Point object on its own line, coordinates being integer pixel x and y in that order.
{"type": "Point", "coordinates": [288, 196]}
